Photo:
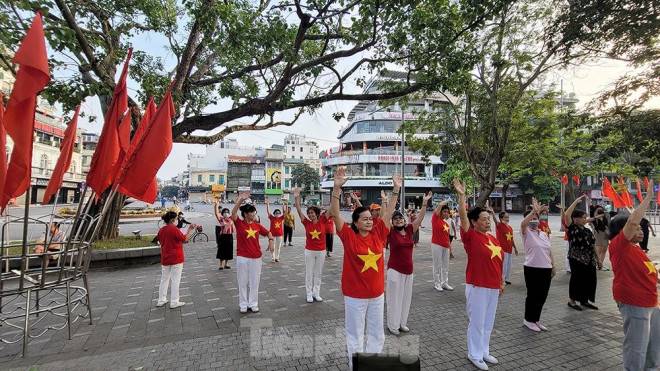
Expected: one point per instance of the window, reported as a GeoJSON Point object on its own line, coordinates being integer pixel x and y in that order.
{"type": "Point", "coordinates": [221, 179]}
{"type": "Point", "coordinates": [293, 149]}
{"type": "Point", "coordinates": [212, 178]}
{"type": "Point", "coordinates": [286, 183]}
{"type": "Point", "coordinates": [44, 163]}
{"type": "Point", "coordinates": [286, 170]}
{"type": "Point", "coordinates": [301, 157]}
{"type": "Point", "coordinates": [301, 149]}
{"type": "Point", "coordinates": [199, 178]}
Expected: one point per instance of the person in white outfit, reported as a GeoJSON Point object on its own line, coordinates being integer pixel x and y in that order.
{"type": "Point", "coordinates": [248, 253]}
{"type": "Point", "coordinates": [441, 246]}
{"type": "Point", "coordinates": [315, 228]}
{"type": "Point", "coordinates": [171, 259]}
{"type": "Point", "coordinates": [400, 269]}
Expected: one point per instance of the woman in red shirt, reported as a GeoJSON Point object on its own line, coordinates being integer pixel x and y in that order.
{"type": "Point", "coordinates": [483, 278]}
{"type": "Point", "coordinates": [362, 276]}
{"type": "Point", "coordinates": [248, 253]}
{"type": "Point", "coordinates": [315, 227]}
{"type": "Point", "coordinates": [171, 259]}
{"type": "Point", "coordinates": [276, 229]}
{"type": "Point", "coordinates": [635, 291]}
{"type": "Point", "coordinates": [400, 269]}
{"type": "Point", "coordinates": [504, 234]}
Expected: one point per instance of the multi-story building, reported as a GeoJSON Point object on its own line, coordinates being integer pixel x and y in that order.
{"type": "Point", "coordinates": [298, 147]}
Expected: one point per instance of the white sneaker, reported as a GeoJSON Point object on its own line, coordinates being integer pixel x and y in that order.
{"type": "Point", "coordinates": [161, 303]}
{"type": "Point", "coordinates": [318, 298]}
{"type": "Point", "coordinates": [447, 287]}
{"type": "Point", "coordinates": [243, 310]}
{"type": "Point", "coordinates": [543, 328]}
{"type": "Point", "coordinates": [177, 304]}
{"type": "Point", "coordinates": [404, 329]}
{"type": "Point", "coordinates": [392, 331]}
{"type": "Point", "coordinates": [479, 363]}
{"type": "Point", "coordinates": [310, 299]}
{"type": "Point", "coordinates": [439, 288]}
{"type": "Point", "coordinates": [255, 309]}
{"type": "Point", "coordinates": [532, 326]}
{"type": "Point", "coordinates": [490, 359]}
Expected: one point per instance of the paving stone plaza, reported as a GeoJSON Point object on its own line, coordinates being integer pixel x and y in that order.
{"type": "Point", "coordinates": [131, 333]}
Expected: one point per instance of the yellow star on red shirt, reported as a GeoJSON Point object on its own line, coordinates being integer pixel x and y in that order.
{"type": "Point", "coordinates": [509, 236]}
{"type": "Point", "coordinates": [446, 227]}
{"type": "Point", "coordinates": [650, 267]}
{"type": "Point", "coordinates": [251, 233]}
{"type": "Point", "coordinates": [278, 224]}
{"type": "Point", "coordinates": [370, 261]}
{"type": "Point", "coordinates": [315, 234]}
{"type": "Point", "coordinates": [495, 250]}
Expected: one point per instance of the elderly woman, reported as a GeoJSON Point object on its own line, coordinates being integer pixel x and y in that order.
{"type": "Point", "coordinates": [539, 267]}
{"type": "Point", "coordinates": [171, 259]}
{"type": "Point", "coordinates": [581, 257]}
{"type": "Point", "coordinates": [634, 289]}
{"type": "Point", "coordinates": [599, 225]}
{"type": "Point", "coordinates": [224, 236]}
{"type": "Point", "coordinates": [276, 229]}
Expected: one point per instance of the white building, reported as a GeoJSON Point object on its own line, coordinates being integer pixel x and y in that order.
{"type": "Point", "coordinates": [299, 150]}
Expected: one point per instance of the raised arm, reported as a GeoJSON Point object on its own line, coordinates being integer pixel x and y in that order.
{"type": "Point", "coordinates": [237, 205]}
{"type": "Point", "coordinates": [356, 199]}
{"type": "Point", "coordinates": [335, 196]}
{"type": "Point", "coordinates": [267, 202]}
{"type": "Point", "coordinates": [495, 217]}
{"type": "Point", "coordinates": [216, 212]}
{"type": "Point", "coordinates": [385, 201]}
{"type": "Point", "coordinates": [420, 218]}
{"type": "Point", "coordinates": [630, 229]}
{"type": "Point", "coordinates": [462, 212]}
{"type": "Point", "coordinates": [568, 220]}
{"type": "Point", "coordinates": [386, 215]}
{"type": "Point", "coordinates": [492, 213]}
{"type": "Point", "coordinates": [438, 209]}
{"type": "Point", "coordinates": [296, 201]}
{"type": "Point", "coordinates": [536, 210]}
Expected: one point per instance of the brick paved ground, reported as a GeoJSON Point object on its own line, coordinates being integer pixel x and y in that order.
{"type": "Point", "coordinates": [130, 333]}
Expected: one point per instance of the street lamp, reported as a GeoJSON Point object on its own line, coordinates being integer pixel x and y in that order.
{"type": "Point", "coordinates": [403, 160]}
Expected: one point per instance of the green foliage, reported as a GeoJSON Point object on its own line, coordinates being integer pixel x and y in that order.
{"type": "Point", "coordinates": [169, 191]}
{"type": "Point", "coordinates": [306, 177]}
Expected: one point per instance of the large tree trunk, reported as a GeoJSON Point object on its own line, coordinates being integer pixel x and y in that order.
{"type": "Point", "coordinates": [505, 188]}
{"type": "Point", "coordinates": [109, 225]}
{"type": "Point", "coordinates": [485, 189]}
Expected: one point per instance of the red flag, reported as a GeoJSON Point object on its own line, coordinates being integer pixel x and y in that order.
{"type": "Point", "coordinates": [639, 190]}
{"type": "Point", "coordinates": [150, 153]}
{"type": "Point", "coordinates": [564, 179]}
{"type": "Point", "coordinates": [149, 112]}
{"type": "Point", "coordinates": [32, 77]}
{"type": "Point", "coordinates": [114, 140]}
{"type": "Point", "coordinates": [609, 192]}
{"type": "Point", "coordinates": [576, 180]}
{"type": "Point", "coordinates": [3, 144]}
{"type": "Point", "coordinates": [646, 183]}
{"type": "Point", "coordinates": [625, 195]}
{"type": "Point", "coordinates": [64, 161]}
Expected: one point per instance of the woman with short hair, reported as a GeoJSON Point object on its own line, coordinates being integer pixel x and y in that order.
{"type": "Point", "coordinates": [224, 236]}
{"type": "Point", "coordinates": [276, 229]}
{"type": "Point", "coordinates": [171, 259]}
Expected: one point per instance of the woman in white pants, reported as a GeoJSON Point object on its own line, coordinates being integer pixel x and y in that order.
{"type": "Point", "coordinates": [315, 228]}
{"type": "Point", "coordinates": [504, 233]}
{"type": "Point", "coordinates": [441, 247]}
{"type": "Point", "coordinates": [248, 253]}
{"type": "Point", "coordinates": [483, 278]}
{"type": "Point", "coordinates": [171, 259]}
{"type": "Point", "coordinates": [400, 269]}
{"type": "Point", "coordinates": [276, 229]}
{"type": "Point", "coordinates": [362, 276]}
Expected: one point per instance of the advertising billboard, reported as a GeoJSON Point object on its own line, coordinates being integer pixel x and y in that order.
{"type": "Point", "coordinates": [273, 181]}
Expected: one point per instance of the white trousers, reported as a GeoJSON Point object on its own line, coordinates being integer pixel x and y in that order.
{"type": "Point", "coordinates": [313, 271]}
{"type": "Point", "coordinates": [481, 308]}
{"type": "Point", "coordinates": [361, 314]}
{"type": "Point", "coordinates": [506, 267]}
{"type": "Point", "coordinates": [440, 265]}
{"type": "Point", "coordinates": [398, 297]}
{"type": "Point", "coordinates": [276, 248]}
{"type": "Point", "coordinates": [248, 271]}
{"type": "Point", "coordinates": [170, 273]}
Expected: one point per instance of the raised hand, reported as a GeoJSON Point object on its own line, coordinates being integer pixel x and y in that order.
{"type": "Point", "coordinates": [266, 201]}
{"type": "Point", "coordinates": [459, 186]}
{"type": "Point", "coordinates": [383, 195]}
{"type": "Point", "coordinates": [488, 208]}
{"type": "Point", "coordinates": [536, 207]}
{"type": "Point", "coordinates": [427, 197]}
{"type": "Point", "coordinates": [396, 180]}
{"type": "Point", "coordinates": [355, 197]}
{"type": "Point", "coordinates": [243, 196]}
{"type": "Point", "coordinates": [340, 177]}
{"type": "Point", "coordinates": [296, 192]}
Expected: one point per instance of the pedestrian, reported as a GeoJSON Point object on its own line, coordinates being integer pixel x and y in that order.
{"type": "Point", "coordinates": [582, 259]}
{"type": "Point", "coordinates": [539, 266]}
{"type": "Point", "coordinates": [504, 234]}
{"type": "Point", "coordinates": [457, 222]}
{"type": "Point", "coordinates": [315, 226]}
{"type": "Point", "coordinates": [362, 278]}
{"type": "Point", "coordinates": [276, 229]}
{"type": "Point", "coordinates": [224, 236]}
{"type": "Point", "coordinates": [452, 232]}
{"type": "Point", "coordinates": [599, 225]}
{"type": "Point", "coordinates": [329, 234]}
{"type": "Point", "coordinates": [289, 224]}
{"type": "Point", "coordinates": [400, 270]}
{"type": "Point", "coordinates": [440, 246]}
{"type": "Point", "coordinates": [483, 278]}
{"type": "Point", "coordinates": [634, 290]}
{"type": "Point", "coordinates": [171, 259]}
{"type": "Point", "coordinates": [181, 221]}
{"type": "Point", "coordinates": [646, 228]}
{"type": "Point", "coordinates": [248, 253]}
{"type": "Point", "coordinates": [567, 243]}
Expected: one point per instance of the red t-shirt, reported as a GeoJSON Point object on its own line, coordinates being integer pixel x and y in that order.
{"type": "Point", "coordinates": [439, 231]}
{"type": "Point", "coordinates": [545, 227]}
{"type": "Point", "coordinates": [315, 234]}
{"type": "Point", "coordinates": [401, 250]}
{"type": "Point", "coordinates": [363, 272]}
{"type": "Point", "coordinates": [504, 234]}
{"type": "Point", "coordinates": [635, 276]}
{"type": "Point", "coordinates": [330, 225]}
{"type": "Point", "coordinates": [247, 238]}
{"type": "Point", "coordinates": [171, 245]}
{"type": "Point", "coordinates": [484, 259]}
{"type": "Point", "coordinates": [276, 225]}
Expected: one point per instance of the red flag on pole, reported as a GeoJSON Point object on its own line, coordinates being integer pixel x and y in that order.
{"type": "Point", "coordinates": [64, 161]}
{"type": "Point", "coordinates": [609, 192]}
{"type": "Point", "coordinates": [32, 77]}
{"type": "Point", "coordinates": [3, 144]}
{"type": "Point", "coordinates": [113, 141]}
{"type": "Point", "coordinates": [564, 179]}
{"type": "Point", "coordinates": [639, 190]}
{"type": "Point", "coordinates": [149, 112]}
{"type": "Point", "coordinates": [150, 153]}
{"type": "Point", "coordinates": [625, 195]}
{"type": "Point", "coordinates": [576, 180]}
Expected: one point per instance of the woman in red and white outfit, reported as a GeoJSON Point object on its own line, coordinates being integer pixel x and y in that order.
{"type": "Point", "coordinates": [248, 253]}
{"type": "Point", "coordinates": [441, 246]}
{"type": "Point", "coordinates": [171, 259]}
{"type": "Point", "coordinates": [483, 278]}
{"type": "Point", "coordinates": [276, 229]}
{"type": "Point", "coordinates": [635, 290]}
{"type": "Point", "coordinates": [400, 269]}
{"type": "Point", "coordinates": [363, 273]}
{"type": "Point", "coordinates": [315, 226]}
{"type": "Point", "coordinates": [504, 233]}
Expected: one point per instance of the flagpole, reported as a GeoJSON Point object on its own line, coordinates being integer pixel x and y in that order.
{"type": "Point", "coordinates": [24, 249]}
{"type": "Point", "coordinates": [107, 203]}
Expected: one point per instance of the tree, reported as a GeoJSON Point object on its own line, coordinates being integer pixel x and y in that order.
{"type": "Point", "coordinates": [170, 191]}
{"type": "Point", "coordinates": [306, 177]}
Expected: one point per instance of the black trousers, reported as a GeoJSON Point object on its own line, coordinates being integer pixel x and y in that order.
{"type": "Point", "coordinates": [288, 233]}
{"type": "Point", "coordinates": [582, 285]}
{"type": "Point", "coordinates": [537, 281]}
{"type": "Point", "coordinates": [329, 238]}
